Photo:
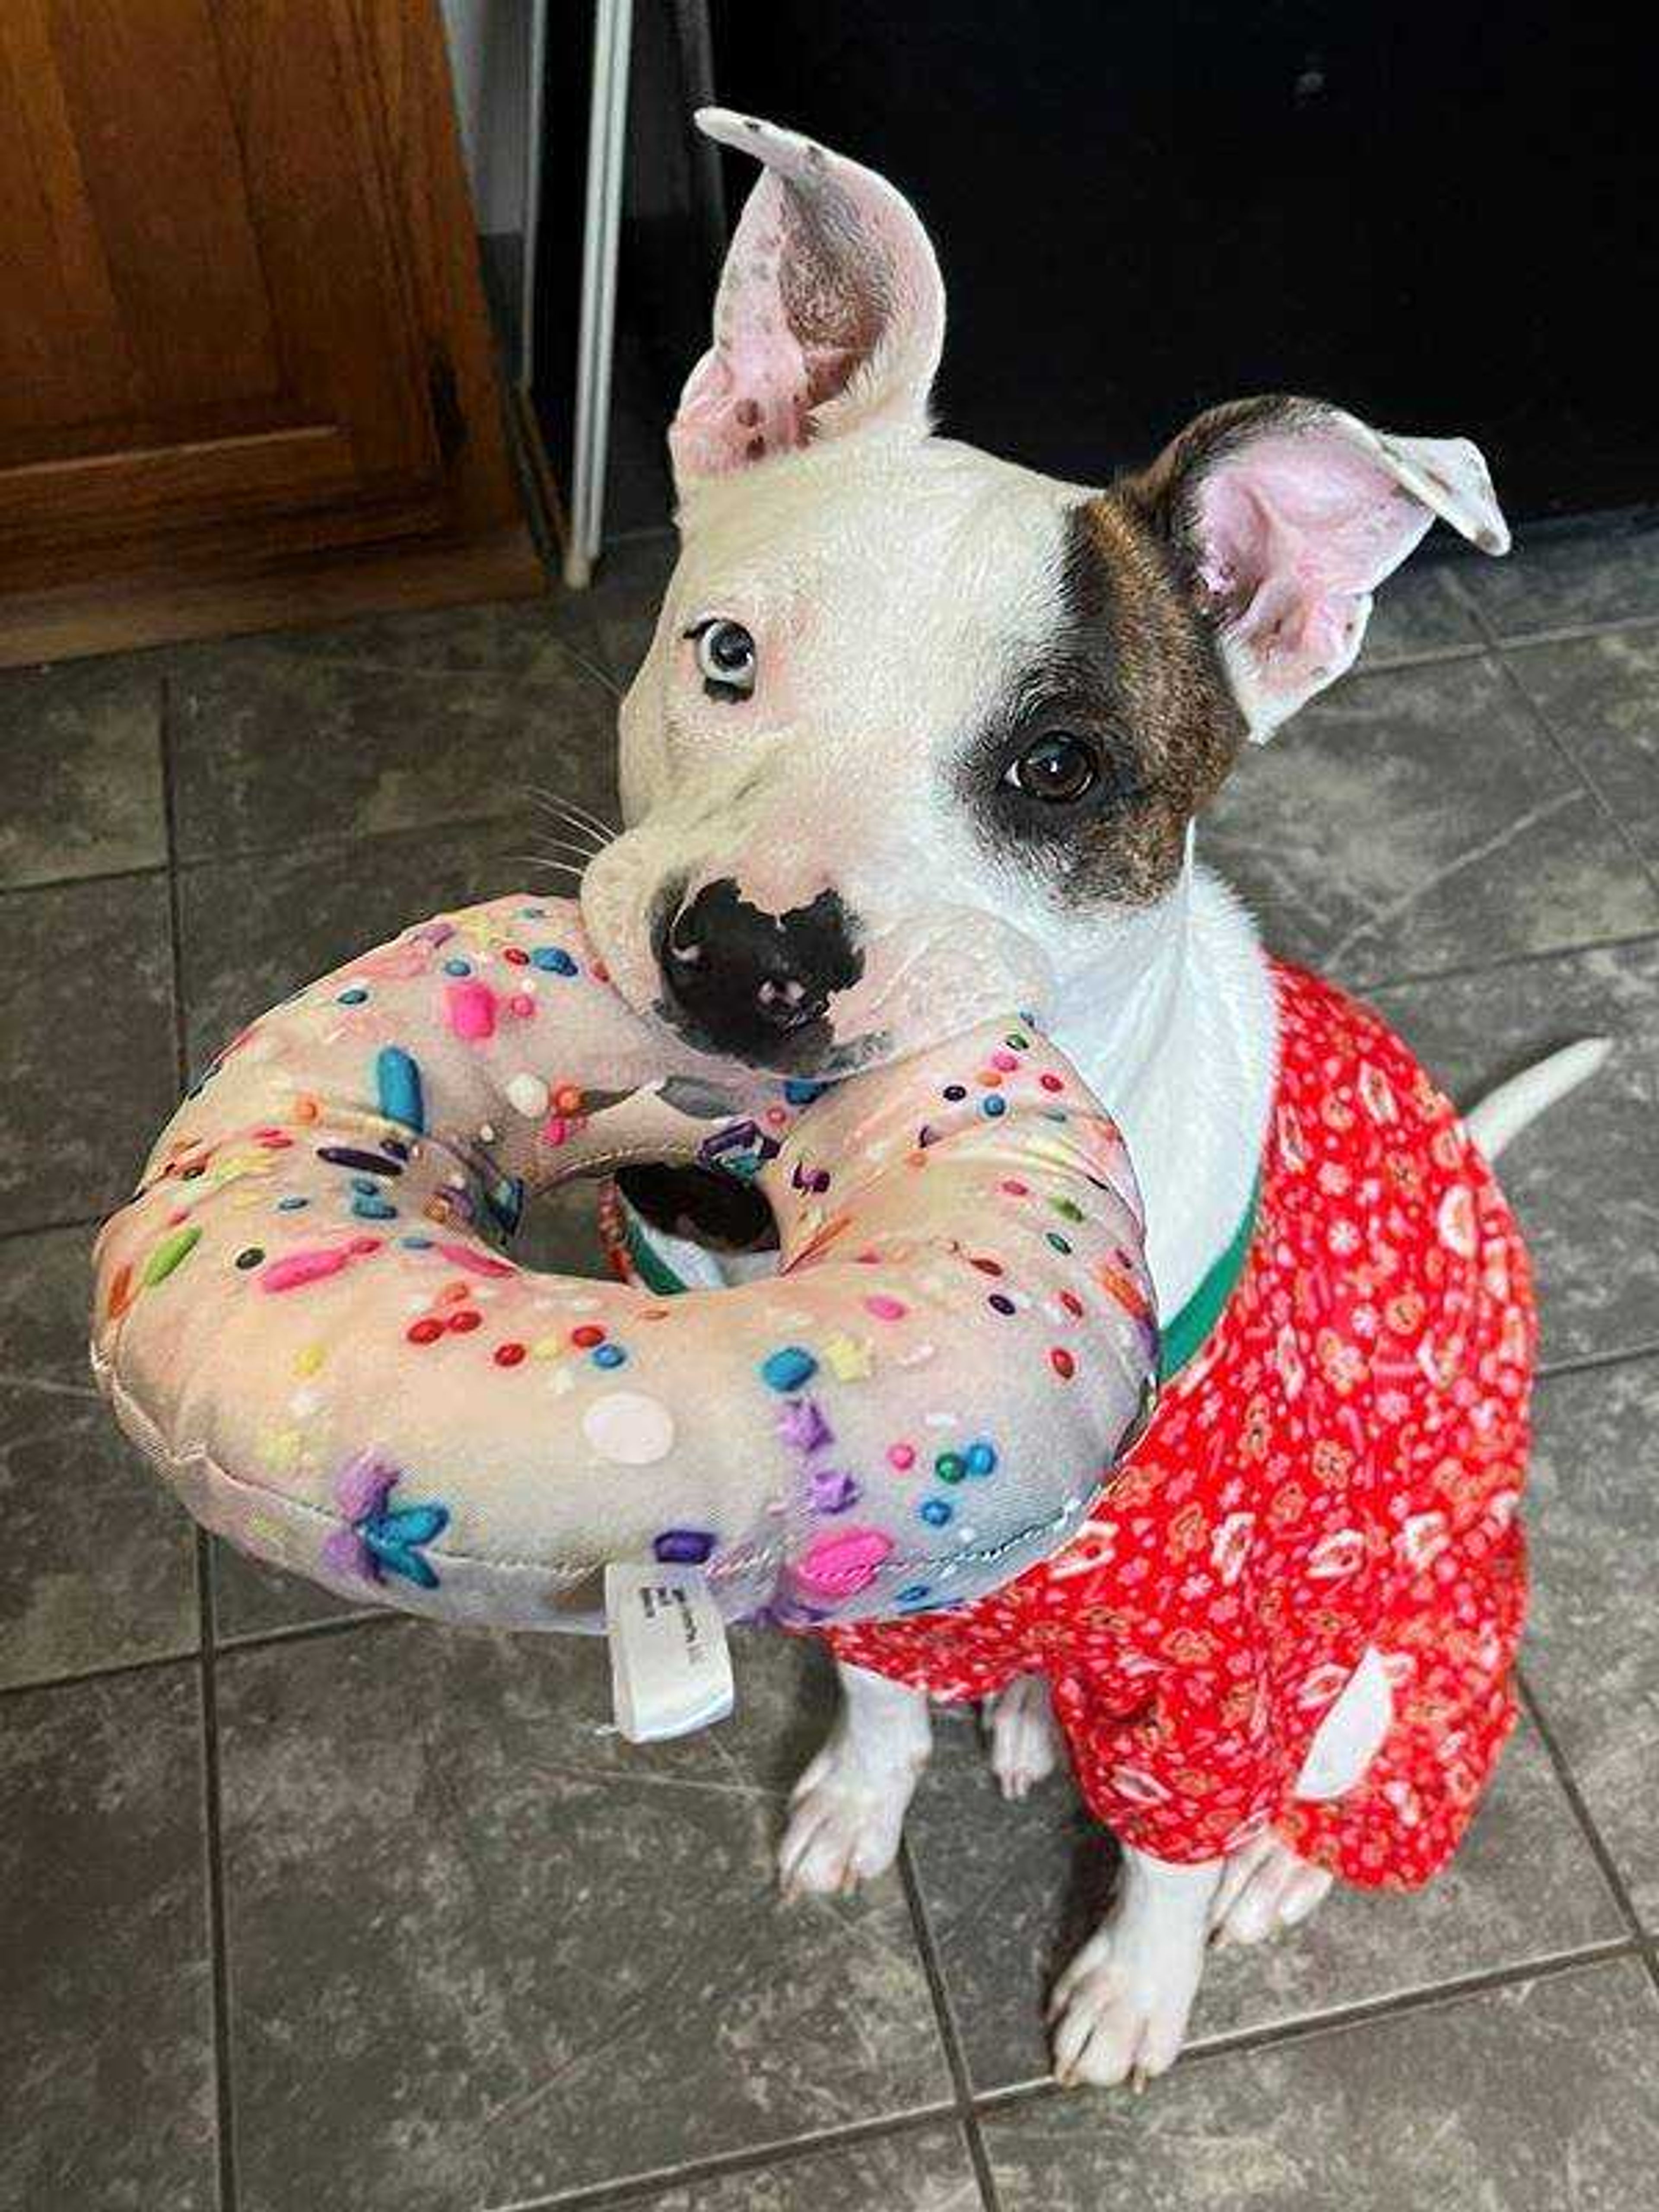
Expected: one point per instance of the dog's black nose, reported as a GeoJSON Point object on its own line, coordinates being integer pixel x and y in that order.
{"type": "Point", "coordinates": [753, 984]}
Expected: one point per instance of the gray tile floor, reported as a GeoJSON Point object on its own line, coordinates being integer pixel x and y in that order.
{"type": "Point", "coordinates": [299, 1909]}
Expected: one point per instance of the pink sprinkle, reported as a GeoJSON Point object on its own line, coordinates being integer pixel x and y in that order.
{"type": "Point", "coordinates": [554, 1131]}
{"type": "Point", "coordinates": [476, 1262]}
{"type": "Point", "coordinates": [841, 1565]}
{"type": "Point", "coordinates": [1015, 1188]}
{"type": "Point", "coordinates": [470, 1009]}
{"type": "Point", "coordinates": [885, 1309]}
{"type": "Point", "coordinates": [435, 933]}
{"type": "Point", "coordinates": [297, 1268]}
{"type": "Point", "coordinates": [360, 1247]}
{"type": "Point", "coordinates": [600, 973]}
{"type": "Point", "coordinates": [1005, 1060]}
{"type": "Point", "coordinates": [274, 1140]}
{"type": "Point", "coordinates": [1051, 1082]}
{"type": "Point", "coordinates": [522, 1004]}
{"type": "Point", "coordinates": [902, 1456]}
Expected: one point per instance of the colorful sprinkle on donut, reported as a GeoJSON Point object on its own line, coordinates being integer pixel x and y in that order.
{"type": "Point", "coordinates": [682, 1548]}
{"type": "Point", "coordinates": [788, 1367]}
{"type": "Point", "coordinates": [398, 1087]}
{"type": "Point", "coordinates": [170, 1252]}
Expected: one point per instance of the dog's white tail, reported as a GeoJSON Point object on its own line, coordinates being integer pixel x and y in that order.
{"type": "Point", "coordinates": [1504, 1113]}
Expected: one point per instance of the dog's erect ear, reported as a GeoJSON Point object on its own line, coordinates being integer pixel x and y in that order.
{"type": "Point", "coordinates": [1284, 515]}
{"type": "Point", "coordinates": [830, 313]}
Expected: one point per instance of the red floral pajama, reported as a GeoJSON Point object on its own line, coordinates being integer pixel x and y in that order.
{"type": "Point", "coordinates": [1339, 1467]}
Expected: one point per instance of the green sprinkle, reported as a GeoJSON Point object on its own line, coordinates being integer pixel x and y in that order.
{"type": "Point", "coordinates": [172, 1252]}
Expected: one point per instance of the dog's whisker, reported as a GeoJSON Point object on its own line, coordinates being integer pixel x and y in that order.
{"type": "Point", "coordinates": [557, 822]}
{"type": "Point", "coordinates": [556, 802]}
{"type": "Point", "coordinates": [552, 867]}
{"type": "Point", "coordinates": [575, 852]}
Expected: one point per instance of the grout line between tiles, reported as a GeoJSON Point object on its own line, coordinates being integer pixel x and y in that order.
{"type": "Point", "coordinates": [309, 1631]}
{"type": "Point", "coordinates": [115, 1670]}
{"type": "Point", "coordinates": [264, 1639]}
{"type": "Point", "coordinates": [594, 2197]}
{"type": "Point", "coordinates": [944, 2014]}
{"type": "Point", "coordinates": [1545, 724]}
{"type": "Point", "coordinates": [1568, 1781]}
{"type": "Point", "coordinates": [1367, 987]}
{"type": "Point", "coordinates": [1562, 633]}
{"type": "Point", "coordinates": [85, 882]}
{"type": "Point", "coordinates": [1308, 2027]}
{"type": "Point", "coordinates": [1582, 769]}
{"type": "Point", "coordinates": [1586, 1362]}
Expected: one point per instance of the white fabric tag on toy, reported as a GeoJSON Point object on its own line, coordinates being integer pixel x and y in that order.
{"type": "Point", "coordinates": [670, 1671]}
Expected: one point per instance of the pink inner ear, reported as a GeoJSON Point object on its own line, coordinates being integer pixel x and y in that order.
{"type": "Point", "coordinates": [1297, 531]}
{"type": "Point", "coordinates": [829, 312]}
{"type": "Point", "coordinates": [750, 394]}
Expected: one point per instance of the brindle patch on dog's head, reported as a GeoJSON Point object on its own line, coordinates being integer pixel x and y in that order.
{"type": "Point", "coordinates": [1133, 671]}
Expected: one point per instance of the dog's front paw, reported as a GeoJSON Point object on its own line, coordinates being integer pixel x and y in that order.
{"type": "Point", "coordinates": [1265, 1889]}
{"type": "Point", "coordinates": [1119, 2011]}
{"type": "Point", "coordinates": [845, 1820]}
{"type": "Point", "coordinates": [1024, 1736]}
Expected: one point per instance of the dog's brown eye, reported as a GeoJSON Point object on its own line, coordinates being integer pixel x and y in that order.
{"type": "Point", "coordinates": [1059, 768]}
{"type": "Point", "coordinates": [726, 657]}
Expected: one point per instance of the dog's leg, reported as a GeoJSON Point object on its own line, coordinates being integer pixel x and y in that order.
{"type": "Point", "coordinates": [1119, 2011]}
{"type": "Point", "coordinates": [1026, 1744]}
{"type": "Point", "coordinates": [848, 1809]}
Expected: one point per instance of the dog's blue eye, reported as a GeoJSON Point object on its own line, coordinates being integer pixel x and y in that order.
{"type": "Point", "coordinates": [1058, 767]}
{"type": "Point", "coordinates": [726, 657]}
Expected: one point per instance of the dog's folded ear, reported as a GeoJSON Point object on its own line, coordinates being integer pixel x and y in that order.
{"type": "Point", "coordinates": [830, 313]}
{"type": "Point", "coordinates": [1284, 515]}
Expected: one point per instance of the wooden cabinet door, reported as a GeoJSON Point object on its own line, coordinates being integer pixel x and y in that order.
{"type": "Point", "coordinates": [208, 325]}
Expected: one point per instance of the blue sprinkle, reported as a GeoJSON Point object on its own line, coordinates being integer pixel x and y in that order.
{"type": "Point", "coordinates": [1055, 1114]}
{"type": "Point", "coordinates": [397, 1082]}
{"type": "Point", "coordinates": [354, 997]}
{"type": "Point", "coordinates": [913, 1594]}
{"type": "Point", "coordinates": [458, 967]}
{"type": "Point", "coordinates": [682, 1546]}
{"type": "Point", "coordinates": [374, 1209]}
{"type": "Point", "coordinates": [608, 1355]}
{"type": "Point", "coordinates": [788, 1369]}
{"type": "Point", "coordinates": [366, 1185]}
{"type": "Point", "coordinates": [800, 1092]}
{"type": "Point", "coordinates": [993, 1103]}
{"type": "Point", "coordinates": [935, 1511]}
{"type": "Point", "coordinates": [554, 959]}
{"type": "Point", "coordinates": [532, 913]}
{"type": "Point", "coordinates": [415, 1243]}
{"type": "Point", "coordinates": [981, 1459]}
{"type": "Point", "coordinates": [1057, 1241]}
{"type": "Point", "coordinates": [291, 1205]}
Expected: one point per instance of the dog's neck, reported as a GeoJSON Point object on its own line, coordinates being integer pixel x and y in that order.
{"type": "Point", "coordinates": [1170, 1018]}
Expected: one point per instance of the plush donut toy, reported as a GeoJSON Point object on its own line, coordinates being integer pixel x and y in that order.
{"type": "Point", "coordinates": [307, 1320]}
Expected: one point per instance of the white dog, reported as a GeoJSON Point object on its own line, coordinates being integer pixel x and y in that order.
{"type": "Point", "coordinates": [921, 736]}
